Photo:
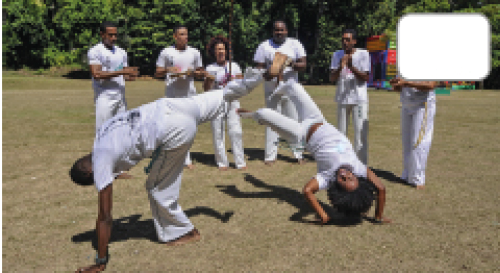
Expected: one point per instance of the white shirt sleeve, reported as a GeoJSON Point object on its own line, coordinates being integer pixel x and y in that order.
{"type": "Point", "coordinates": [260, 54]}
{"type": "Point", "coordinates": [162, 59]}
{"type": "Point", "coordinates": [93, 57]}
{"type": "Point", "coordinates": [365, 62]}
{"type": "Point", "coordinates": [335, 61]}
{"type": "Point", "coordinates": [103, 171]}
{"type": "Point", "coordinates": [125, 59]}
{"type": "Point", "coordinates": [235, 69]}
{"type": "Point", "coordinates": [198, 61]}
{"type": "Point", "coordinates": [300, 51]}
{"type": "Point", "coordinates": [322, 181]}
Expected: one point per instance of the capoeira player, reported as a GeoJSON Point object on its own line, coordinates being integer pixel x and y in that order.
{"type": "Point", "coordinates": [350, 67]}
{"type": "Point", "coordinates": [350, 183]}
{"type": "Point", "coordinates": [108, 65]}
{"type": "Point", "coordinates": [177, 59]}
{"type": "Point", "coordinates": [164, 129]}
{"type": "Point", "coordinates": [217, 48]}
{"type": "Point", "coordinates": [418, 101]}
{"type": "Point", "coordinates": [263, 58]}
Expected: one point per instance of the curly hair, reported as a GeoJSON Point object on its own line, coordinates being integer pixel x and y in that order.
{"type": "Point", "coordinates": [215, 41]}
{"type": "Point", "coordinates": [352, 203]}
{"type": "Point", "coordinates": [78, 173]}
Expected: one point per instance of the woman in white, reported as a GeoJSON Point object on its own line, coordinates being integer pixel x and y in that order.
{"type": "Point", "coordinates": [217, 48]}
{"type": "Point", "coordinates": [350, 183]}
{"type": "Point", "coordinates": [417, 125]}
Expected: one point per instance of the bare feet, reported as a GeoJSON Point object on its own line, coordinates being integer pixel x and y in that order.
{"type": "Point", "coordinates": [302, 161]}
{"type": "Point", "coordinates": [190, 166]}
{"type": "Point", "coordinates": [124, 176]}
{"type": "Point", "coordinates": [243, 168]}
{"type": "Point", "coordinates": [420, 187]}
{"type": "Point", "coordinates": [192, 236]}
{"type": "Point", "coordinates": [270, 163]}
{"type": "Point", "coordinates": [223, 168]}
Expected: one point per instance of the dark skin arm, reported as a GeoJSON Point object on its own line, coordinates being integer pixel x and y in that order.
{"type": "Point", "coordinates": [360, 75]}
{"type": "Point", "coordinates": [103, 228]}
{"type": "Point", "coordinates": [380, 202]}
{"type": "Point", "coordinates": [300, 65]}
{"type": "Point", "coordinates": [98, 74]}
{"type": "Point", "coordinates": [425, 86]}
{"type": "Point", "coordinates": [162, 71]}
{"type": "Point", "coordinates": [309, 190]}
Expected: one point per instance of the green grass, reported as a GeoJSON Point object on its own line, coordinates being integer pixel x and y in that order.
{"type": "Point", "coordinates": [48, 222]}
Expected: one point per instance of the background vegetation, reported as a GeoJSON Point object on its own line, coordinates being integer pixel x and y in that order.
{"type": "Point", "coordinates": [41, 34]}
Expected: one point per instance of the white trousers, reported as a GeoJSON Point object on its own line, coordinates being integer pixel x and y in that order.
{"type": "Point", "coordinates": [308, 113]}
{"type": "Point", "coordinates": [164, 183]}
{"type": "Point", "coordinates": [417, 127]}
{"type": "Point", "coordinates": [281, 104]}
{"type": "Point", "coordinates": [360, 123]}
{"type": "Point", "coordinates": [235, 135]}
{"type": "Point", "coordinates": [108, 106]}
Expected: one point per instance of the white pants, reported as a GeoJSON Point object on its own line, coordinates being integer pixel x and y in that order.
{"type": "Point", "coordinates": [235, 134]}
{"type": "Point", "coordinates": [293, 131]}
{"type": "Point", "coordinates": [360, 123]}
{"type": "Point", "coordinates": [108, 106]}
{"type": "Point", "coordinates": [164, 183]}
{"type": "Point", "coordinates": [281, 104]}
{"type": "Point", "coordinates": [417, 126]}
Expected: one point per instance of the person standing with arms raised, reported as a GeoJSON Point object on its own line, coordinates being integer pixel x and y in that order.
{"type": "Point", "coordinates": [177, 59]}
{"type": "Point", "coordinates": [263, 58]}
{"type": "Point", "coordinates": [350, 68]}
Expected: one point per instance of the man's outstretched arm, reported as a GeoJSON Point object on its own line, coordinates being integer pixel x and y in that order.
{"type": "Point", "coordinates": [103, 227]}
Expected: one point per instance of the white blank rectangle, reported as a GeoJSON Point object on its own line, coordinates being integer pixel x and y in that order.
{"type": "Point", "coordinates": [447, 47]}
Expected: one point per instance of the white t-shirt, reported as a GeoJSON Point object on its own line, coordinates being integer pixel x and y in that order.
{"type": "Point", "coordinates": [127, 138]}
{"type": "Point", "coordinates": [331, 149]}
{"type": "Point", "coordinates": [110, 60]}
{"type": "Point", "coordinates": [350, 90]}
{"type": "Point", "coordinates": [266, 50]}
{"type": "Point", "coordinates": [221, 73]}
{"type": "Point", "coordinates": [190, 58]}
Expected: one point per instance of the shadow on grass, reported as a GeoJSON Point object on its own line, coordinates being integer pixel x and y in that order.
{"type": "Point", "coordinates": [132, 228]}
{"type": "Point", "coordinates": [290, 196]}
{"type": "Point", "coordinates": [391, 177]}
{"type": "Point", "coordinates": [251, 153]}
{"type": "Point", "coordinates": [258, 154]}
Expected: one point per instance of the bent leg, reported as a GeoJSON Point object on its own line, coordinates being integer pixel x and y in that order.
{"type": "Point", "coordinates": [287, 128]}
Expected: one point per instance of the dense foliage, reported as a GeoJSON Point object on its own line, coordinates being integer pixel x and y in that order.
{"type": "Point", "coordinates": [39, 33]}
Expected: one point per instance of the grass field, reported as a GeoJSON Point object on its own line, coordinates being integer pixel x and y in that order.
{"type": "Point", "coordinates": [249, 221]}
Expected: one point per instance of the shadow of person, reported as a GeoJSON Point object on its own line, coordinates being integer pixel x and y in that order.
{"type": "Point", "coordinates": [203, 158]}
{"type": "Point", "coordinates": [290, 196]}
{"type": "Point", "coordinates": [258, 154]}
{"type": "Point", "coordinates": [130, 227]}
{"type": "Point", "coordinates": [391, 177]}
